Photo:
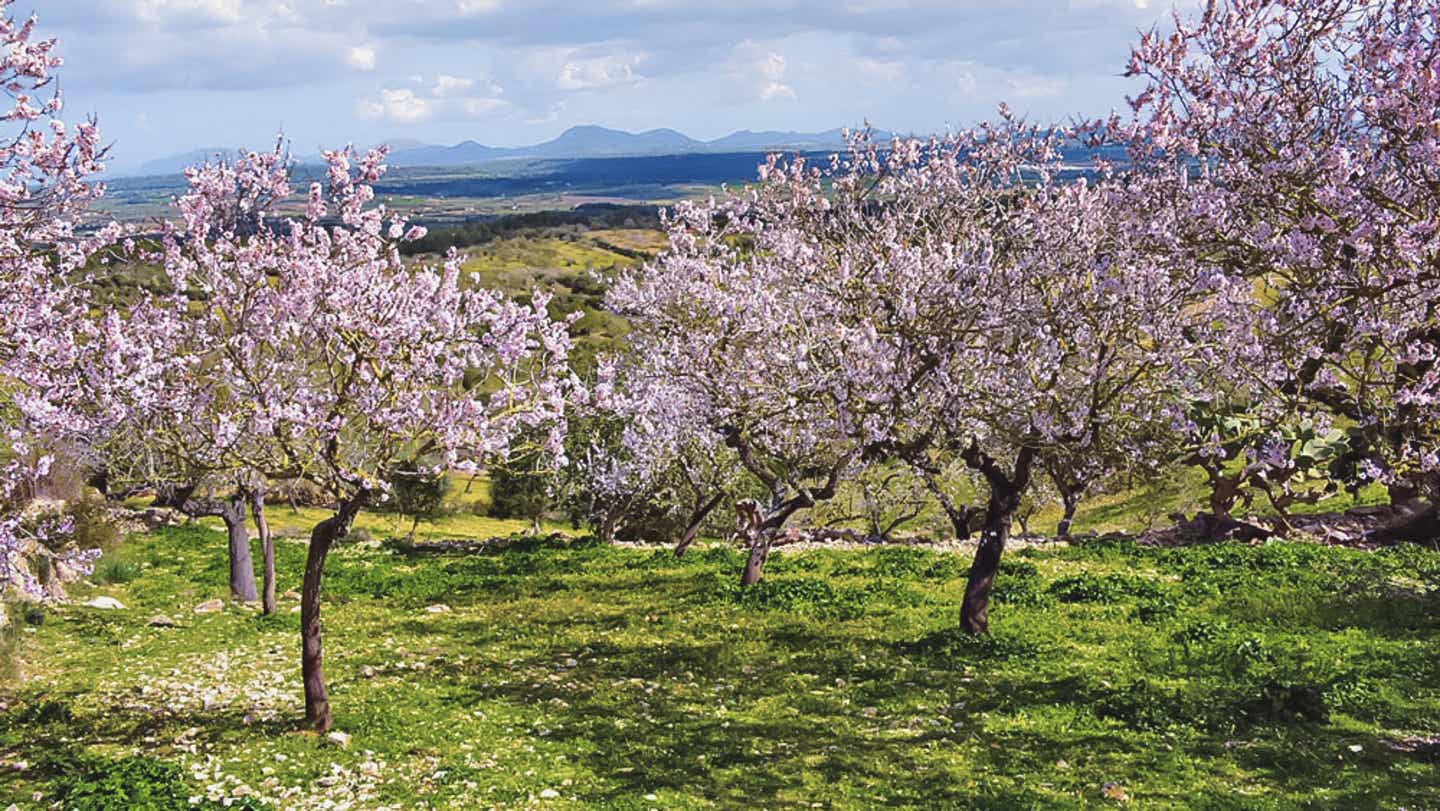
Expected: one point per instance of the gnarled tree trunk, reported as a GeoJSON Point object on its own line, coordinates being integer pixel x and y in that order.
{"type": "Point", "coordinates": [324, 536]}
{"type": "Point", "coordinates": [1006, 492]}
{"type": "Point", "coordinates": [267, 549]}
{"type": "Point", "coordinates": [1071, 501]}
{"type": "Point", "coordinates": [750, 526]}
{"type": "Point", "coordinates": [692, 526]}
{"type": "Point", "coordinates": [975, 609]}
{"type": "Point", "coordinates": [242, 567]}
{"type": "Point", "coordinates": [232, 512]}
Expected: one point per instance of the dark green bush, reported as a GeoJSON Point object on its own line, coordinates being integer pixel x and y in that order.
{"type": "Point", "coordinates": [416, 494]}
{"type": "Point", "coordinates": [954, 648]}
{"type": "Point", "coordinates": [114, 571]}
{"type": "Point", "coordinates": [34, 614]}
{"type": "Point", "coordinates": [781, 563]}
{"type": "Point", "coordinates": [1147, 706]}
{"type": "Point", "coordinates": [86, 782]}
{"type": "Point", "coordinates": [1198, 633]}
{"type": "Point", "coordinates": [1019, 583]}
{"type": "Point", "coordinates": [93, 528]}
{"type": "Point", "coordinates": [1157, 610]}
{"type": "Point", "coordinates": [807, 594]}
{"type": "Point", "coordinates": [520, 490]}
{"type": "Point", "coordinates": [1285, 702]}
{"type": "Point", "coordinates": [1110, 588]}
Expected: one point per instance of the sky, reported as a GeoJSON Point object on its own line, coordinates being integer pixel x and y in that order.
{"type": "Point", "coordinates": [169, 76]}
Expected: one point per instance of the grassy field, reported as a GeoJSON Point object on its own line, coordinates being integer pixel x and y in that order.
{"type": "Point", "coordinates": [575, 675]}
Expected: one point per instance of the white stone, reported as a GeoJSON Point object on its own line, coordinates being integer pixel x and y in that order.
{"type": "Point", "coordinates": [549, 794]}
{"type": "Point", "coordinates": [438, 608]}
{"type": "Point", "coordinates": [210, 606]}
{"type": "Point", "coordinates": [108, 603]}
{"type": "Point", "coordinates": [340, 739]}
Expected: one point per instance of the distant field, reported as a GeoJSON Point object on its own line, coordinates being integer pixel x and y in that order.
{"type": "Point", "coordinates": [519, 262]}
{"type": "Point", "coordinates": [448, 195]}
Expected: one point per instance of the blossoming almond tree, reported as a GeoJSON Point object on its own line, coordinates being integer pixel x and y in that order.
{"type": "Point", "coordinates": [733, 335]}
{"type": "Point", "coordinates": [1078, 337]}
{"type": "Point", "coordinates": [1316, 128]}
{"type": "Point", "coordinates": [646, 455]}
{"type": "Point", "coordinates": [348, 366]}
{"type": "Point", "coordinates": [303, 347]}
{"type": "Point", "coordinates": [952, 300]}
{"type": "Point", "coordinates": [45, 171]}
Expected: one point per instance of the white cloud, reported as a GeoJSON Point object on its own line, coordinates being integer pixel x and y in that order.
{"type": "Point", "coordinates": [170, 11]}
{"type": "Point", "coordinates": [361, 57]}
{"type": "Point", "coordinates": [479, 107]}
{"type": "Point", "coordinates": [397, 106]}
{"type": "Point", "coordinates": [449, 86]}
{"type": "Point", "coordinates": [976, 81]}
{"type": "Point", "coordinates": [763, 70]}
{"type": "Point", "coordinates": [598, 72]}
{"type": "Point", "coordinates": [876, 70]}
{"type": "Point", "coordinates": [449, 98]}
{"type": "Point", "coordinates": [469, 8]}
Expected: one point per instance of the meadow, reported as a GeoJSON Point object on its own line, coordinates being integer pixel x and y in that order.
{"type": "Point", "coordinates": [558, 672]}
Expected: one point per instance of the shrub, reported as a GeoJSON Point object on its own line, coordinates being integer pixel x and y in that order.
{"type": "Point", "coordinates": [1157, 610]}
{"type": "Point", "coordinates": [1110, 588]}
{"type": "Point", "coordinates": [93, 528]}
{"type": "Point", "coordinates": [113, 571]}
{"type": "Point", "coordinates": [901, 562]}
{"type": "Point", "coordinates": [520, 490]}
{"type": "Point", "coordinates": [787, 594]}
{"type": "Point", "coordinates": [299, 493]}
{"type": "Point", "coordinates": [1146, 706]}
{"type": "Point", "coordinates": [953, 647]}
{"type": "Point", "coordinates": [418, 495]}
{"type": "Point", "coordinates": [1285, 702]}
{"type": "Point", "coordinates": [33, 614]}
{"type": "Point", "coordinates": [89, 783]}
{"type": "Point", "coordinates": [1019, 583]}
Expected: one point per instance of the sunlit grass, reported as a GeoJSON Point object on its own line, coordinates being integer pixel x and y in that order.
{"type": "Point", "coordinates": [1222, 676]}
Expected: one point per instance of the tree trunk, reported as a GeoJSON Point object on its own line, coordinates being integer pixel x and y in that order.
{"type": "Point", "coordinates": [317, 703]}
{"type": "Point", "coordinates": [1006, 493]}
{"type": "Point", "coordinates": [242, 567]}
{"type": "Point", "coordinates": [755, 563]}
{"type": "Point", "coordinates": [1071, 500]}
{"type": "Point", "coordinates": [960, 518]}
{"type": "Point", "coordinates": [605, 530]}
{"type": "Point", "coordinates": [975, 610]}
{"type": "Point", "coordinates": [1224, 490]}
{"type": "Point", "coordinates": [692, 528]}
{"type": "Point", "coordinates": [267, 550]}
{"type": "Point", "coordinates": [750, 526]}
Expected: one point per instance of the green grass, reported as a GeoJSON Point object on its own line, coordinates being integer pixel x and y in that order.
{"type": "Point", "coordinates": [1219, 676]}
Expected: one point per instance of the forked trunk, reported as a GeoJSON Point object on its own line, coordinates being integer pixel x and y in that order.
{"type": "Point", "coordinates": [975, 610]}
{"type": "Point", "coordinates": [317, 702]}
{"type": "Point", "coordinates": [1006, 492]}
{"type": "Point", "coordinates": [267, 551]}
{"type": "Point", "coordinates": [232, 512]}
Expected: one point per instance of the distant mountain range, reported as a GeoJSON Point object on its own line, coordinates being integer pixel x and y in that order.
{"type": "Point", "coordinates": [574, 143]}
